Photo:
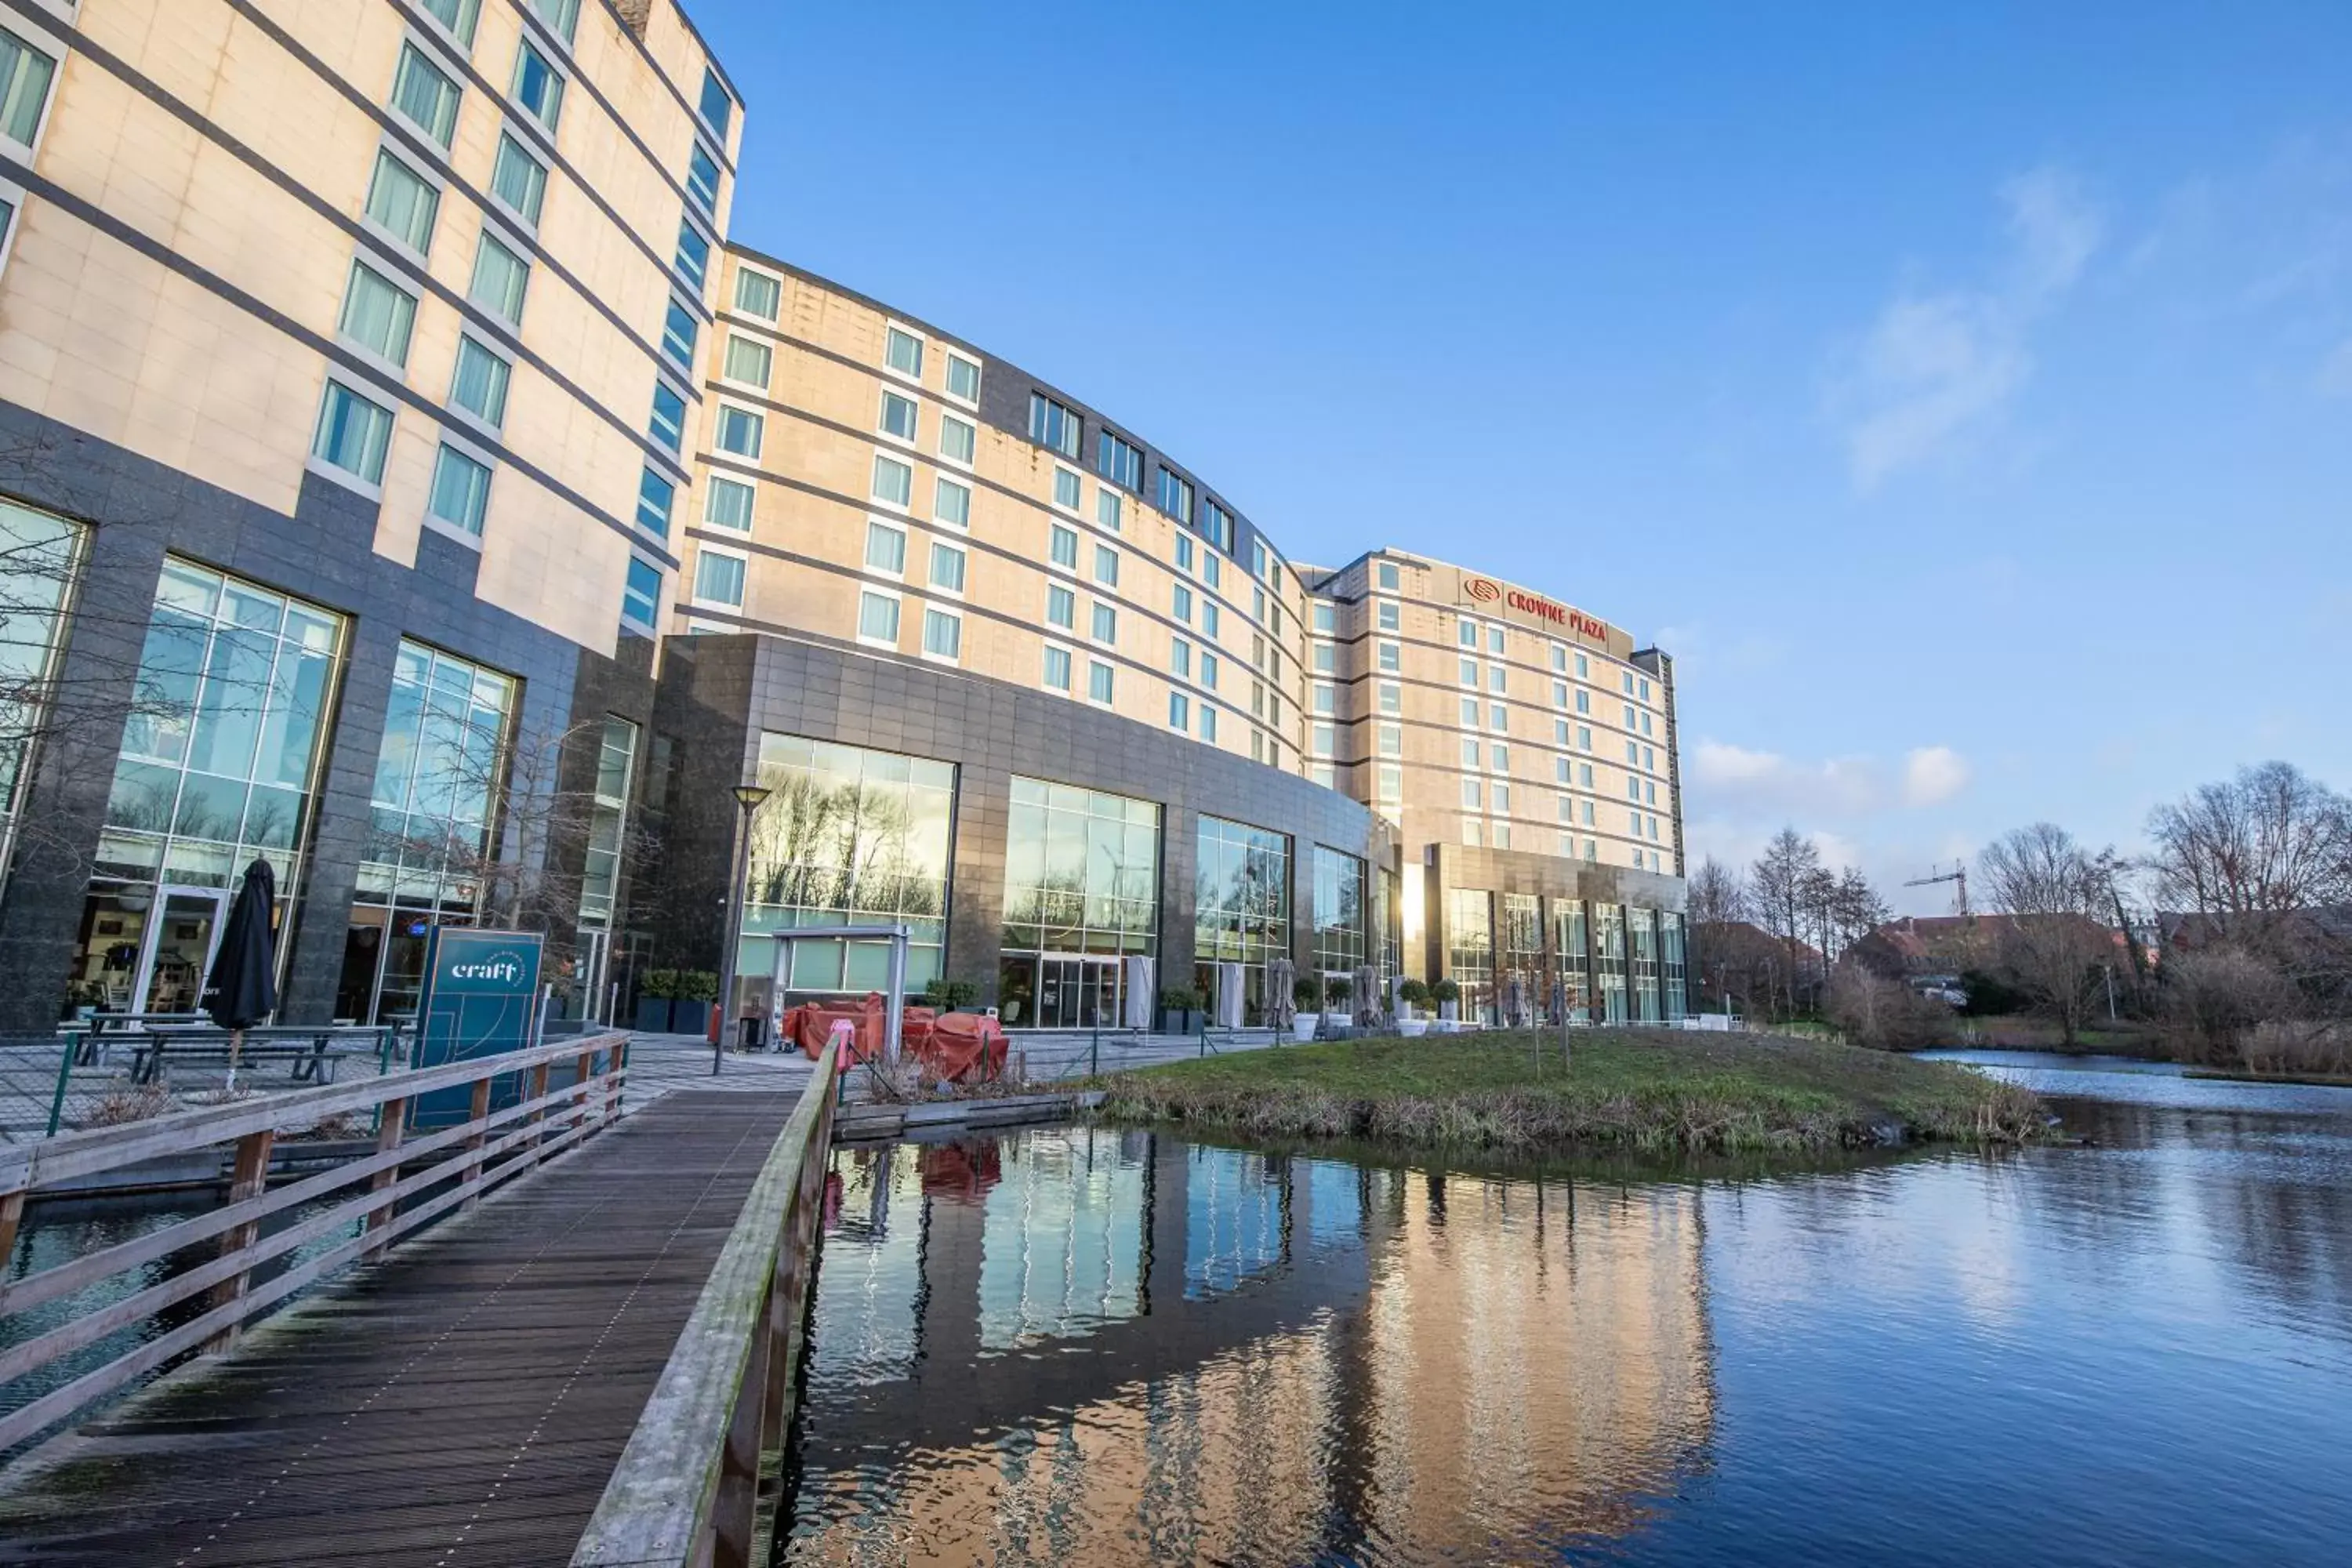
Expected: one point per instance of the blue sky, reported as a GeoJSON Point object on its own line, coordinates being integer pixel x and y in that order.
{"type": "Point", "coordinates": [1962, 393]}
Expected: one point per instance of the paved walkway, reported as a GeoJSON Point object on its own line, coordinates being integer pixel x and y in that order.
{"type": "Point", "coordinates": [461, 1402]}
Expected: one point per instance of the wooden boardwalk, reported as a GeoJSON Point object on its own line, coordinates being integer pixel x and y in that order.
{"type": "Point", "coordinates": [462, 1401]}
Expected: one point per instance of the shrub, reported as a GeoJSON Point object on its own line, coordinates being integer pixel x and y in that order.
{"type": "Point", "coordinates": [660, 983]}
{"type": "Point", "coordinates": [2215, 1001]}
{"type": "Point", "coordinates": [1180, 999]}
{"type": "Point", "coordinates": [1307, 992]}
{"type": "Point", "coordinates": [697, 985]}
{"type": "Point", "coordinates": [1339, 988]}
{"type": "Point", "coordinates": [1445, 991]}
{"type": "Point", "coordinates": [1414, 992]}
{"type": "Point", "coordinates": [1886, 1014]}
{"type": "Point", "coordinates": [949, 996]}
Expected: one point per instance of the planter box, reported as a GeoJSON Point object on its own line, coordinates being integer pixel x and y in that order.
{"type": "Point", "coordinates": [1449, 1011]}
{"type": "Point", "coordinates": [1176, 1021]}
{"type": "Point", "coordinates": [652, 1015]}
{"type": "Point", "coordinates": [1413, 1025]}
{"type": "Point", "coordinates": [689, 1017]}
{"type": "Point", "coordinates": [1302, 1028]}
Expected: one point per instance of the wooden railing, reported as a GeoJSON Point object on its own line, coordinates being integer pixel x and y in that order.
{"type": "Point", "coordinates": [517, 1137]}
{"type": "Point", "coordinates": [685, 1491]}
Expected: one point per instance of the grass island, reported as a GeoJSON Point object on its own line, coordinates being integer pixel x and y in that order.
{"type": "Point", "coordinates": [1653, 1090]}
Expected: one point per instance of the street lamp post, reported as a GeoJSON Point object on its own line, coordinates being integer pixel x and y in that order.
{"type": "Point", "coordinates": [747, 797]}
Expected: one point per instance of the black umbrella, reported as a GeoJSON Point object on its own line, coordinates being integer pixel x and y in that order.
{"type": "Point", "coordinates": [242, 989]}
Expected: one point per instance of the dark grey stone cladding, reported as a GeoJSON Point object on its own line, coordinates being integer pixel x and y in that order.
{"type": "Point", "coordinates": [141, 510]}
{"type": "Point", "coordinates": [1446, 866]}
{"type": "Point", "coordinates": [719, 692]}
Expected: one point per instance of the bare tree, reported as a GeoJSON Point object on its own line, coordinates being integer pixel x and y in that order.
{"type": "Point", "coordinates": [1778, 894]}
{"type": "Point", "coordinates": [2254, 856]}
{"type": "Point", "coordinates": [2056, 894]}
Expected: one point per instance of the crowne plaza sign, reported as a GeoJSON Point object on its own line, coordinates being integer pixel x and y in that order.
{"type": "Point", "coordinates": [1486, 591]}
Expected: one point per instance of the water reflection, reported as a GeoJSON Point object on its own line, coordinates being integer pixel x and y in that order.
{"type": "Point", "coordinates": [1080, 1345]}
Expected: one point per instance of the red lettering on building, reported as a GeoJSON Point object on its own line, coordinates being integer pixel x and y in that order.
{"type": "Point", "coordinates": [1486, 591]}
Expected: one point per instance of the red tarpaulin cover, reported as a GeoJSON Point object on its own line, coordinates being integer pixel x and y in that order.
{"type": "Point", "coordinates": [960, 1046]}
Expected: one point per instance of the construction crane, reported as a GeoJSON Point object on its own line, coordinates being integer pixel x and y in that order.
{"type": "Point", "coordinates": [1959, 873]}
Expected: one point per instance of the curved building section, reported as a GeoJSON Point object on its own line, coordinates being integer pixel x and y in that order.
{"type": "Point", "coordinates": [873, 480]}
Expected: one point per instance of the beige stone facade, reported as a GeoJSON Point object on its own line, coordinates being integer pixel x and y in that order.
{"type": "Point", "coordinates": [187, 217]}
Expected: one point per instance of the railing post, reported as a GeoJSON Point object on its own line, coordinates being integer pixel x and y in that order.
{"type": "Point", "coordinates": [64, 1077]}
{"type": "Point", "coordinates": [248, 1180]}
{"type": "Point", "coordinates": [392, 1125]}
{"type": "Point", "coordinates": [616, 1058]}
{"type": "Point", "coordinates": [12, 1215]}
{"type": "Point", "coordinates": [581, 1069]}
{"type": "Point", "coordinates": [471, 1176]}
{"type": "Point", "coordinates": [538, 1090]}
{"type": "Point", "coordinates": [735, 1504]}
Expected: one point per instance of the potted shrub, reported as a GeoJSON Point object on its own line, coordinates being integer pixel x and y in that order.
{"type": "Point", "coordinates": [1411, 993]}
{"type": "Point", "coordinates": [1447, 994]}
{"type": "Point", "coordinates": [657, 989]}
{"type": "Point", "coordinates": [1177, 1006]}
{"type": "Point", "coordinates": [949, 996]}
{"type": "Point", "coordinates": [691, 1013]}
{"type": "Point", "coordinates": [1336, 992]}
{"type": "Point", "coordinates": [1307, 992]}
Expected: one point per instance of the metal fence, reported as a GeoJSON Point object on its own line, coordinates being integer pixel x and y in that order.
{"type": "Point", "coordinates": [132, 1068]}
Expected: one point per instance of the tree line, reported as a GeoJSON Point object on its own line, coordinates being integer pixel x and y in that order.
{"type": "Point", "coordinates": [2228, 934]}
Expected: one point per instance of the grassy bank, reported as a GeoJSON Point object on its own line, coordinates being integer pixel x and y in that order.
{"type": "Point", "coordinates": [1650, 1090]}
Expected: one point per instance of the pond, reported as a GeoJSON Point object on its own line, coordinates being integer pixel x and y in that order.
{"type": "Point", "coordinates": [1090, 1346]}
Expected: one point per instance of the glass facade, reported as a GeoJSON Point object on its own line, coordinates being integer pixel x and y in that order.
{"type": "Point", "coordinates": [1670, 949]}
{"type": "Point", "coordinates": [600, 869]}
{"type": "Point", "coordinates": [1081, 897]}
{"type": "Point", "coordinates": [1609, 957]}
{"type": "Point", "coordinates": [1240, 909]}
{"type": "Point", "coordinates": [1569, 940]}
{"type": "Point", "coordinates": [43, 554]}
{"type": "Point", "coordinates": [847, 836]}
{"type": "Point", "coordinates": [1342, 915]}
{"type": "Point", "coordinates": [1470, 947]}
{"type": "Point", "coordinates": [439, 779]}
{"type": "Point", "coordinates": [1521, 956]}
{"type": "Point", "coordinates": [1643, 928]}
{"type": "Point", "coordinates": [218, 764]}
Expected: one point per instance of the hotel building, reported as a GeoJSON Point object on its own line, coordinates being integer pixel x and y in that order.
{"type": "Point", "coordinates": [405, 481]}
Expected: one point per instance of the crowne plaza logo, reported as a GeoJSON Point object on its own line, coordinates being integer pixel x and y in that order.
{"type": "Point", "coordinates": [1486, 591]}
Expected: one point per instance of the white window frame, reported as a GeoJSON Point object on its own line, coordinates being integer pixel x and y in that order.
{"type": "Point", "coordinates": [930, 582]}
{"type": "Point", "coordinates": [733, 332]}
{"type": "Point", "coordinates": [922, 347]}
{"type": "Point", "coordinates": [1067, 592]}
{"type": "Point", "coordinates": [880, 592]}
{"type": "Point", "coordinates": [1109, 703]}
{"type": "Point", "coordinates": [710, 488]}
{"type": "Point", "coordinates": [882, 432]}
{"type": "Point", "coordinates": [315, 464]}
{"type": "Point", "coordinates": [905, 507]}
{"type": "Point", "coordinates": [702, 548]}
{"type": "Point", "coordinates": [401, 155]}
{"type": "Point", "coordinates": [442, 526]}
{"type": "Point", "coordinates": [867, 567]}
{"type": "Point", "coordinates": [1053, 644]}
{"type": "Point", "coordinates": [947, 419]}
{"type": "Point", "coordinates": [979, 370]}
{"type": "Point", "coordinates": [1070, 571]}
{"type": "Point", "coordinates": [733, 294]}
{"type": "Point", "coordinates": [1093, 607]}
{"type": "Point", "coordinates": [760, 420]}
{"type": "Point", "coordinates": [1054, 496]}
{"type": "Point", "coordinates": [939, 519]}
{"type": "Point", "coordinates": [923, 638]}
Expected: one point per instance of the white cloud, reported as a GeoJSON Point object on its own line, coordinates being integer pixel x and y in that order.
{"type": "Point", "coordinates": [1937, 367]}
{"type": "Point", "coordinates": [1933, 774]}
{"type": "Point", "coordinates": [1746, 782]}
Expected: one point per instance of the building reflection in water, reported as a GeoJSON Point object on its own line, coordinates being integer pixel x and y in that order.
{"type": "Point", "coordinates": [1081, 1346]}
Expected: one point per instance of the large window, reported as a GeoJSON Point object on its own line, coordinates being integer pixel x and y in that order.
{"type": "Point", "coordinates": [422, 93]}
{"type": "Point", "coordinates": [1470, 947]}
{"type": "Point", "coordinates": [219, 765]}
{"type": "Point", "coordinates": [1339, 913]}
{"type": "Point", "coordinates": [1241, 909]}
{"type": "Point", "coordinates": [538, 86]}
{"type": "Point", "coordinates": [847, 836]}
{"type": "Point", "coordinates": [1670, 950]}
{"type": "Point", "coordinates": [1053, 424]}
{"type": "Point", "coordinates": [1609, 961]}
{"type": "Point", "coordinates": [1081, 897]}
{"type": "Point", "coordinates": [402, 202]}
{"type": "Point", "coordinates": [1571, 940]}
{"type": "Point", "coordinates": [600, 877]}
{"type": "Point", "coordinates": [1520, 952]}
{"type": "Point", "coordinates": [438, 780]}
{"type": "Point", "coordinates": [1175, 497]}
{"type": "Point", "coordinates": [1120, 462]}
{"type": "Point", "coordinates": [44, 554]}
{"type": "Point", "coordinates": [1643, 925]}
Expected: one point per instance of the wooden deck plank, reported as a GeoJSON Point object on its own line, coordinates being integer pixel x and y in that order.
{"type": "Point", "coordinates": [461, 1402]}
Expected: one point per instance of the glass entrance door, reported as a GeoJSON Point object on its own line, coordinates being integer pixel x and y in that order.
{"type": "Point", "coordinates": [180, 941]}
{"type": "Point", "coordinates": [1078, 994]}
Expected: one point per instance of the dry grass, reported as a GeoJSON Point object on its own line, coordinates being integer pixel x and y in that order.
{"type": "Point", "coordinates": [1653, 1090]}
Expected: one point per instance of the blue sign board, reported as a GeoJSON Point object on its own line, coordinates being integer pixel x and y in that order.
{"type": "Point", "coordinates": [481, 999]}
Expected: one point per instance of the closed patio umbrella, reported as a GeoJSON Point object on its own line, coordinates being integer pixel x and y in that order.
{"type": "Point", "coordinates": [1280, 1007]}
{"type": "Point", "coordinates": [242, 989]}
